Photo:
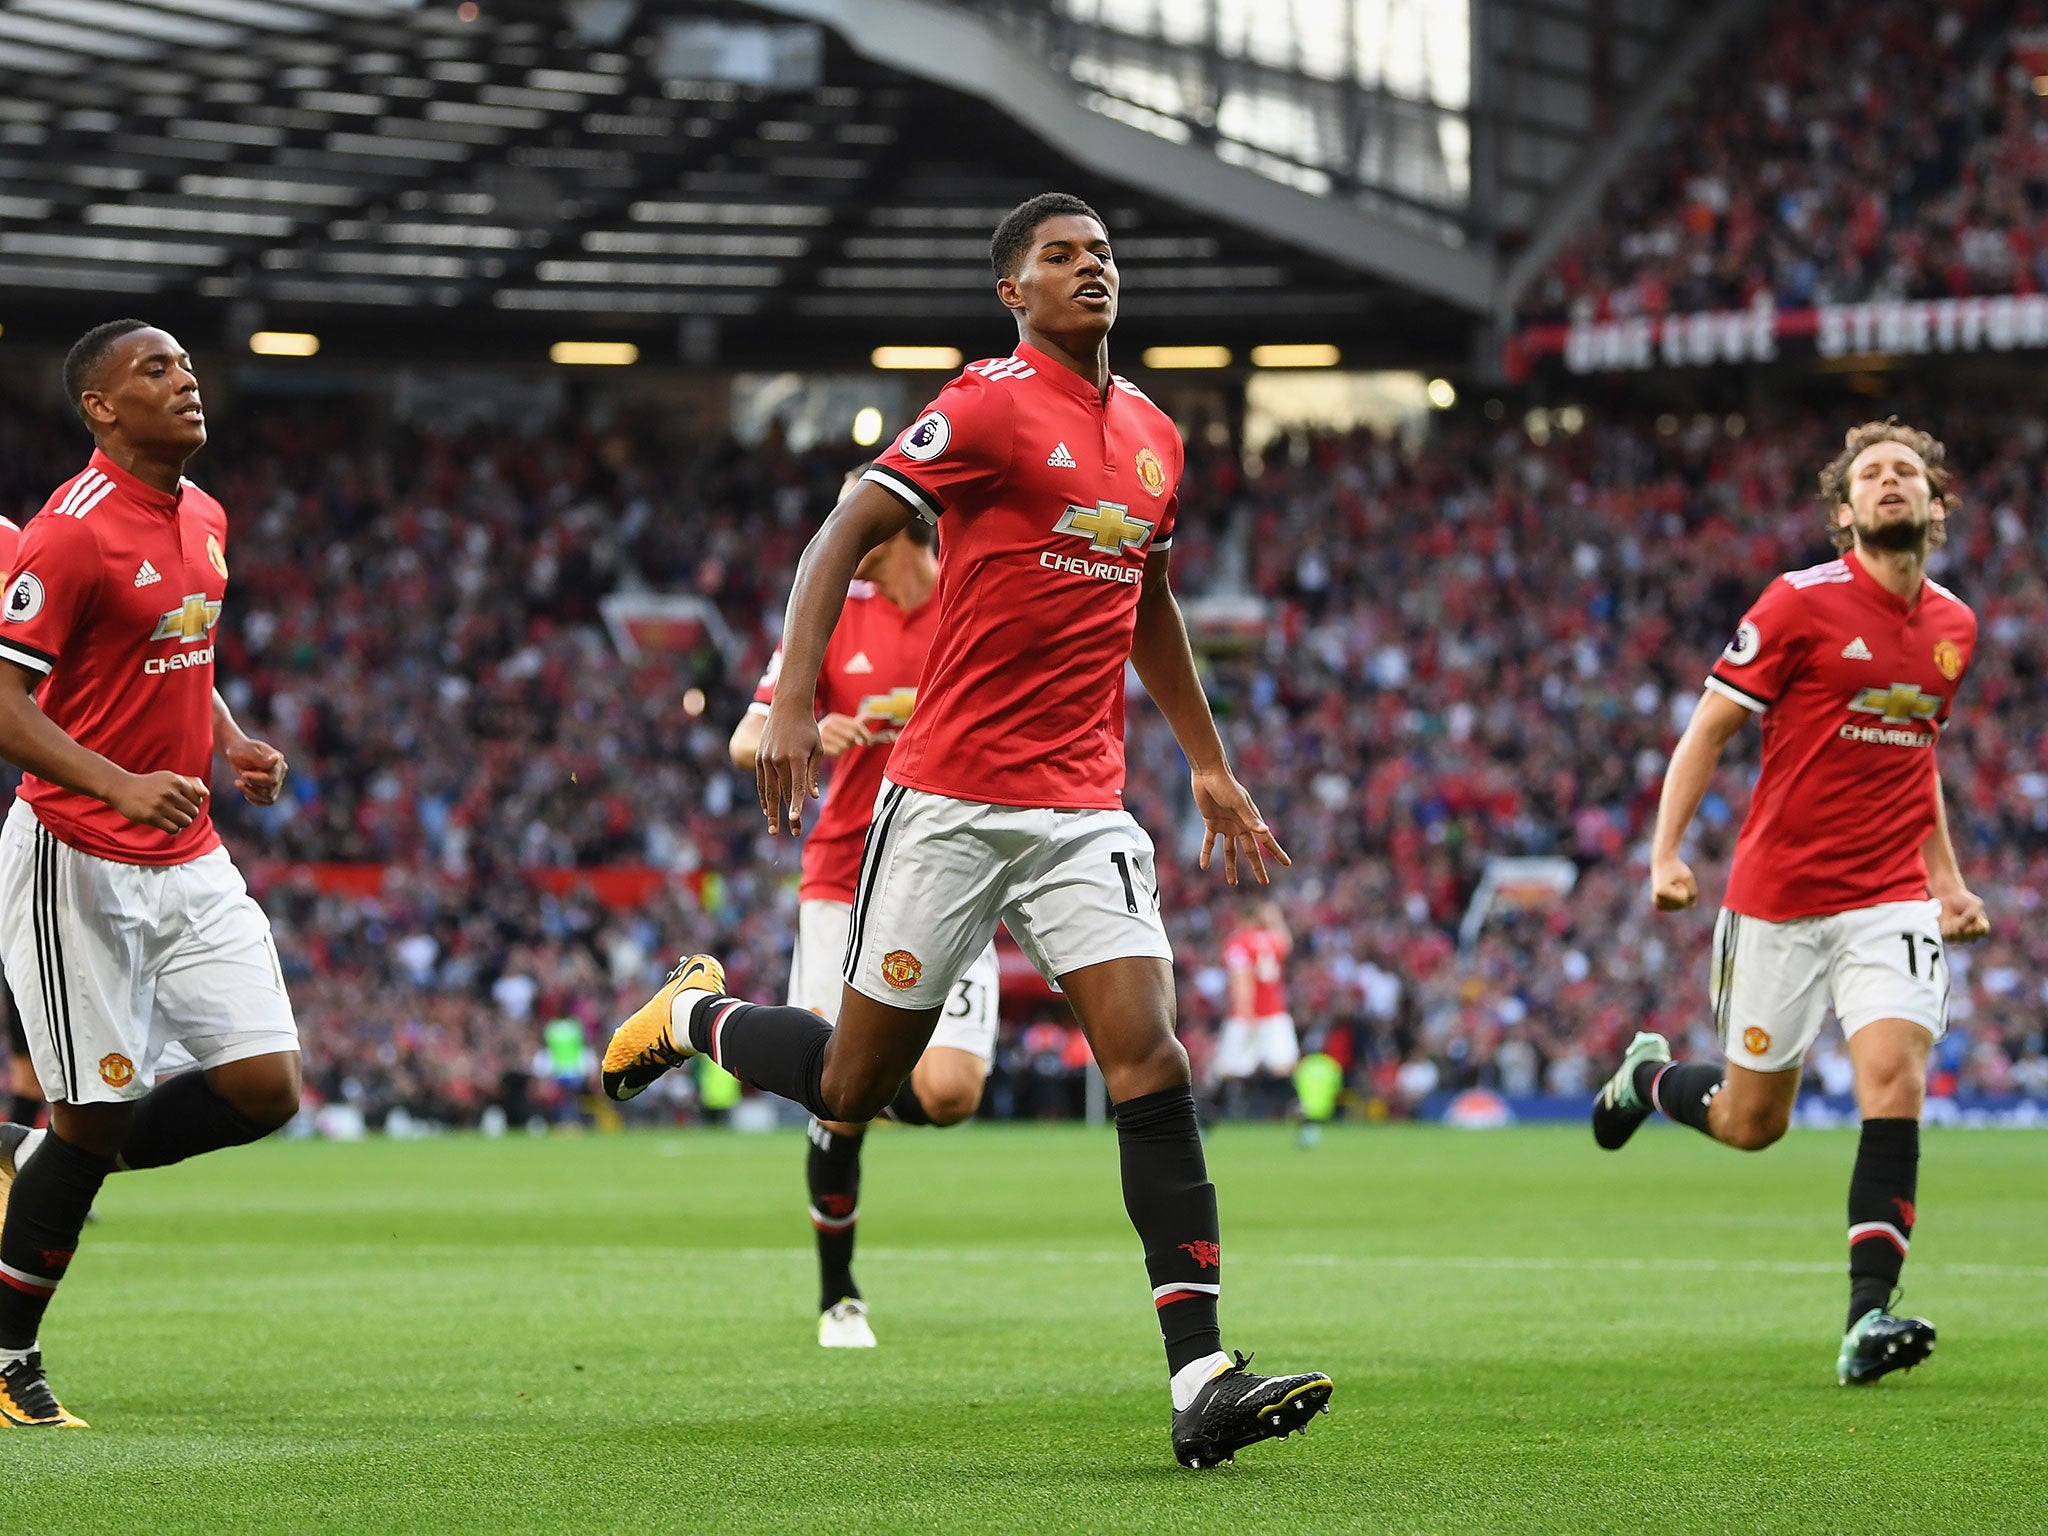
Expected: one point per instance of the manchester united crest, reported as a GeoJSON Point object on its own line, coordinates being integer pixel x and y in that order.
{"type": "Point", "coordinates": [1948, 656]}
{"type": "Point", "coordinates": [901, 969]}
{"type": "Point", "coordinates": [1151, 473]}
{"type": "Point", "coordinates": [213, 553]}
{"type": "Point", "coordinates": [1756, 1041]}
{"type": "Point", "coordinates": [116, 1070]}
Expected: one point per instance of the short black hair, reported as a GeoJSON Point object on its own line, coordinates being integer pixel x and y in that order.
{"type": "Point", "coordinates": [1013, 236]}
{"type": "Point", "coordinates": [82, 362]}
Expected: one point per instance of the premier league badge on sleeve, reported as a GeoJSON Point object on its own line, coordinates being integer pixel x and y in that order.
{"type": "Point", "coordinates": [927, 437]}
{"type": "Point", "coordinates": [24, 598]}
{"type": "Point", "coordinates": [1743, 648]}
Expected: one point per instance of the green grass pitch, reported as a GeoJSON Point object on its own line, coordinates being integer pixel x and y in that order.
{"type": "Point", "coordinates": [615, 1333]}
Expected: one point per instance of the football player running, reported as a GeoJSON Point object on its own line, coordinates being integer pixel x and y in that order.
{"type": "Point", "coordinates": [1844, 888]}
{"type": "Point", "coordinates": [1057, 483]}
{"type": "Point", "coordinates": [867, 688]}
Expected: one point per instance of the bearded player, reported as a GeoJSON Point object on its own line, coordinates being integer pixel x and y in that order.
{"type": "Point", "coordinates": [127, 931]}
{"type": "Point", "coordinates": [1845, 888]}
{"type": "Point", "coordinates": [866, 689]}
{"type": "Point", "coordinates": [1056, 482]}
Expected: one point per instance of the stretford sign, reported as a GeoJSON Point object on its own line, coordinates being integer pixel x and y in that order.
{"type": "Point", "coordinates": [2001, 323]}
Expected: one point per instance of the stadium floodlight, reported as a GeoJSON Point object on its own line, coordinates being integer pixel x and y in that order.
{"type": "Point", "coordinates": [284, 344]}
{"type": "Point", "coordinates": [933, 359]}
{"type": "Point", "coordinates": [867, 427]}
{"type": "Point", "coordinates": [1442, 394]}
{"type": "Point", "coordinates": [594, 354]}
{"type": "Point", "coordinates": [1187, 357]}
{"type": "Point", "coordinates": [1315, 354]}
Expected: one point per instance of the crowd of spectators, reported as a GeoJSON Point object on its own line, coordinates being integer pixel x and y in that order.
{"type": "Point", "coordinates": [1831, 153]}
{"type": "Point", "coordinates": [1481, 648]}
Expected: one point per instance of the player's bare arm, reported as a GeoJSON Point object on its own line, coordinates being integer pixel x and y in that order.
{"type": "Point", "coordinates": [1713, 725]}
{"type": "Point", "coordinates": [1166, 666]}
{"type": "Point", "coordinates": [29, 739]}
{"type": "Point", "coordinates": [1963, 920]}
{"type": "Point", "coordinates": [259, 767]}
{"type": "Point", "coordinates": [786, 757]}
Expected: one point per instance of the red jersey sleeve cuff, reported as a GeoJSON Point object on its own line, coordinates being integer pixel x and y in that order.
{"type": "Point", "coordinates": [27, 656]}
{"type": "Point", "coordinates": [1749, 701]}
{"type": "Point", "coordinates": [922, 502]}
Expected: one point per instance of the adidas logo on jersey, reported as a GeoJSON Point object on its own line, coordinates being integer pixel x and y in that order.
{"type": "Point", "coordinates": [860, 663]}
{"type": "Point", "coordinates": [1059, 458]}
{"type": "Point", "coordinates": [147, 575]}
{"type": "Point", "coordinates": [1856, 650]}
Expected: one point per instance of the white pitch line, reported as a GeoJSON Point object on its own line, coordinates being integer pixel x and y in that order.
{"type": "Point", "coordinates": [993, 1256]}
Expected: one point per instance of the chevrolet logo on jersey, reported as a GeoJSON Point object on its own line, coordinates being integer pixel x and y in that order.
{"type": "Point", "coordinates": [1900, 704]}
{"type": "Point", "coordinates": [190, 622]}
{"type": "Point", "coordinates": [892, 708]}
{"type": "Point", "coordinates": [1108, 526]}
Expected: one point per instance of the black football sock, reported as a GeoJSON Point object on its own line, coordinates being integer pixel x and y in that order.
{"type": "Point", "coordinates": [182, 1117]}
{"type": "Point", "coordinates": [833, 1173]}
{"type": "Point", "coordinates": [22, 1108]}
{"type": "Point", "coordinates": [1684, 1091]}
{"type": "Point", "coordinates": [1881, 1211]}
{"type": "Point", "coordinates": [45, 1214]}
{"type": "Point", "coordinates": [907, 1108]}
{"type": "Point", "coordinates": [779, 1049]}
{"type": "Point", "coordinates": [1173, 1205]}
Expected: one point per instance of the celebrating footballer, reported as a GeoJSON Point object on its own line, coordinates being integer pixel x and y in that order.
{"type": "Point", "coordinates": [1845, 891]}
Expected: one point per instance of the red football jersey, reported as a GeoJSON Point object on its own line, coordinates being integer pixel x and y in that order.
{"type": "Point", "coordinates": [1853, 685]}
{"type": "Point", "coordinates": [1053, 497]}
{"type": "Point", "coordinates": [1264, 953]}
{"type": "Point", "coordinates": [116, 591]}
{"type": "Point", "coordinates": [10, 543]}
{"type": "Point", "coordinates": [870, 672]}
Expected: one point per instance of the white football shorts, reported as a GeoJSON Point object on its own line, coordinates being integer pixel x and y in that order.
{"type": "Point", "coordinates": [1245, 1046]}
{"type": "Point", "coordinates": [969, 1020]}
{"type": "Point", "coordinates": [1772, 983]}
{"type": "Point", "coordinates": [115, 965]}
{"type": "Point", "coordinates": [1075, 888]}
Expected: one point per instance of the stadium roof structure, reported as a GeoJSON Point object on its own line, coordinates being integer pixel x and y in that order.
{"type": "Point", "coordinates": [776, 182]}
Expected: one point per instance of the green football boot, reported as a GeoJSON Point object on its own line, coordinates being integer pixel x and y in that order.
{"type": "Point", "coordinates": [1620, 1109]}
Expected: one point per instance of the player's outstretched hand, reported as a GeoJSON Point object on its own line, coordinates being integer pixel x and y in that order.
{"type": "Point", "coordinates": [841, 732]}
{"type": "Point", "coordinates": [1962, 917]}
{"type": "Point", "coordinates": [170, 802]}
{"type": "Point", "coordinates": [259, 770]}
{"type": "Point", "coordinates": [1672, 885]}
{"type": "Point", "coordinates": [786, 768]}
{"type": "Point", "coordinates": [1229, 817]}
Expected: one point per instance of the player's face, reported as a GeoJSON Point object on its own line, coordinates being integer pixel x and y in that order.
{"type": "Point", "coordinates": [1891, 505]}
{"type": "Point", "coordinates": [1067, 281]}
{"type": "Point", "coordinates": [147, 389]}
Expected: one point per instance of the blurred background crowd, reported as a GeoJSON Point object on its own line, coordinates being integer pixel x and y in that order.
{"type": "Point", "coordinates": [1473, 638]}
{"type": "Point", "coordinates": [1472, 646]}
{"type": "Point", "coordinates": [1842, 153]}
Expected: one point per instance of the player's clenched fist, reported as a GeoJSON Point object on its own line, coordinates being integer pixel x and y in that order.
{"type": "Point", "coordinates": [842, 733]}
{"type": "Point", "coordinates": [1963, 920]}
{"type": "Point", "coordinates": [1672, 885]}
{"type": "Point", "coordinates": [786, 767]}
{"type": "Point", "coordinates": [259, 770]}
{"type": "Point", "coordinates": [170, 802]}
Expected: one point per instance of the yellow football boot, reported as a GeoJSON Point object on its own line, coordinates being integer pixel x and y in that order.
{"type": "Point", "coordinates": [26, 1401]}
{"type": "Point", "coordinates": [645, 1046]}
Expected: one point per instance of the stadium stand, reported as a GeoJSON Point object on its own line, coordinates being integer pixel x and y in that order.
{"type": "Point", "coordinates": [1848, 153]}
{"type": "Point", "coordinates": [1485, 648]}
